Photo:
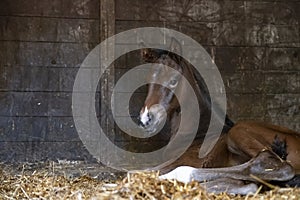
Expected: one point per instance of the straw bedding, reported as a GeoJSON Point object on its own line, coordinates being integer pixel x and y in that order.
{"type": "Point", "coordinates": [52, 183]}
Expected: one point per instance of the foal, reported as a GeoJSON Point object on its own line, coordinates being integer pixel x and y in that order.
{"type": "Point", "coordinates": [244, 149]}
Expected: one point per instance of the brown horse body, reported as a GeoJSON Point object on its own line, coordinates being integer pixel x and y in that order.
{"type": "Point", "coordinates": [243, 142]}
{"type": "Point", "coordinates": [239, 143]}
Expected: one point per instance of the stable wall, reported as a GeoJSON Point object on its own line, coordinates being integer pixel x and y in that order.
{"type": "Point", "coordinates": [255, 44]}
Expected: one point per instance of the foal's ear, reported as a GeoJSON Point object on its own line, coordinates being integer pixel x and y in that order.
{"type": "Point", "coordinates": [147, 54]}
{"type": "Point", "coordinates": [175, 46]}
{"type": "Point", "coordinates": [144, 51]}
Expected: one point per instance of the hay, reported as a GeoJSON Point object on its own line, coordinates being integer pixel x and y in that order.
{"type": "Point", "coordinates": [47, 184]}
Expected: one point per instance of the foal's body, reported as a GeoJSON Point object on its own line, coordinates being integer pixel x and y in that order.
{"type": "Point", "coordinates": [244, 141]}
{"type": "Point", "coordinates": [239, 146]}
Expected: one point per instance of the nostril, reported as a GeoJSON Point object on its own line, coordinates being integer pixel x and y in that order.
{"type": "Point", "coordinates": [145, 118]}
{"type": "Point", "coordinates": [150, 116]}
{"type": "Point", "coordinates": [141, 124]}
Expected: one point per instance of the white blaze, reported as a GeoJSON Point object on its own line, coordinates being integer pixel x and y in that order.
{"type": "Point", "coordinates": [144, 116]}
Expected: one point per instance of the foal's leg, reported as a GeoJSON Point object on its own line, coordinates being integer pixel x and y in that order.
{"type": "Point", "coordinates": [231, 186]}
{"type": "Point", "coordinates": [265, 165]}
{"type": "Point", "coordinates": [244, 141]}
{"type": "Point", "coordinates": [294, 182]}
{"type": "Point", "coordinates": [247, 139]}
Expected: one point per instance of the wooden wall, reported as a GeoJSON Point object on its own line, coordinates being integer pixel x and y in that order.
{"type": "Point", "coordinates": [255, 45]}
{"type": "Point", "coordinates": [42, 44]}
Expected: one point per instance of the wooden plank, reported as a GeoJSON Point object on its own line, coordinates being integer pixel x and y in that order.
{"type": "Point", "coordinates": [283, 109]}
{"type": "Point", "coordinates": [274, 12]}
{"type": "Point", "coordinates": [167, 10]}
{"type": "Point", "coordinates": [202, 32]}
{"type": "Point", "coordinates": [23, 129]}
{"type": "Point", "coordinates": [27, 78]}
{"type": "Point", "coordinates": [49, 29]}
{"type": "Point", "coordinates": [228, 34]}
{"type": "Point", "coordinates": [233, 59]}
{"type": "Point", "coordinates": [282, 82]}
{"type": "Point", "coordinates": [39, 78]}
{"type": "Point", "coordinates": [244, 82]}
{"type": "Point", "coordinates": [239, 106]}
{"type": "Point", "coordinates": [107, 29]}
{"type": "Point", "coordinates": [44, 53]}
{"type": "Point", "coordinates": [268, 0]}
{"type": "Point", "coordinates": [262, 82]}
{"type": "Point", "coordinates": [55, 8]}
{"type": "Point", "coordinates": [42, 129]}
{"type": "Point", "coordinates": [19, 152]}
{"type": "Point", "coordinates": [38, 104]}
{"type": "Point", "coordinates": [61, 104]}
{"type": "Point", "coordinates": [283, 59]}
{"type": "Point", "coordinates": [236, 34]}
{"type": "Point", "coordinates": [283, 104]}
{"type": "Point", "coordinates": [209, 11]}
{"type": "Point", "coordinates": [62, 129]}
{"type": "Point", "coordinates": [272, 35]}
{"type": "Point", "coordinates": [23, 104]}
{"type": "Point", "coordinates": [282, 120]}
{"type": "Point", "coordinates": [280, 109]}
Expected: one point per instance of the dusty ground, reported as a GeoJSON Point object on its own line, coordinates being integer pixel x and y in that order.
{"type": "Point", "coordinates": [76, 180]}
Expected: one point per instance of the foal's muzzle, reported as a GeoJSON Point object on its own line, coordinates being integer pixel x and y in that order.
{"type": "Point", "coordinates": [152, 119]}
{"type": "Point", "coordinates": [146, 120]}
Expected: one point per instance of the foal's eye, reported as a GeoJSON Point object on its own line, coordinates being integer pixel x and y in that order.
{"type": "Point", "coordinates": [173, 83]}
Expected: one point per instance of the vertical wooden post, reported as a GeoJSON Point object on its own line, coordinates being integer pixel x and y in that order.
{"type": "Point", "coordinates": [107, 19]}
{"type": "Point", "coordinates": [107, 29]}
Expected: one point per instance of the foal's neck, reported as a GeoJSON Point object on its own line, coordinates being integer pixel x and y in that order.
{"type": "Point", "coordinates": [205, 105]}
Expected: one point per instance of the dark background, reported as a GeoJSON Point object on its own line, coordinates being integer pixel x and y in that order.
{"type": "Point", "coordinates": [254, 43]}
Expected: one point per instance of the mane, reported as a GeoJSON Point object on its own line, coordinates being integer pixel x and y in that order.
{"type": "Point", "coordinates": [203, 95]}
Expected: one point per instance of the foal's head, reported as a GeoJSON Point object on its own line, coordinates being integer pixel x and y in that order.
{"type": "Point", "coordinates": [168, 70]}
